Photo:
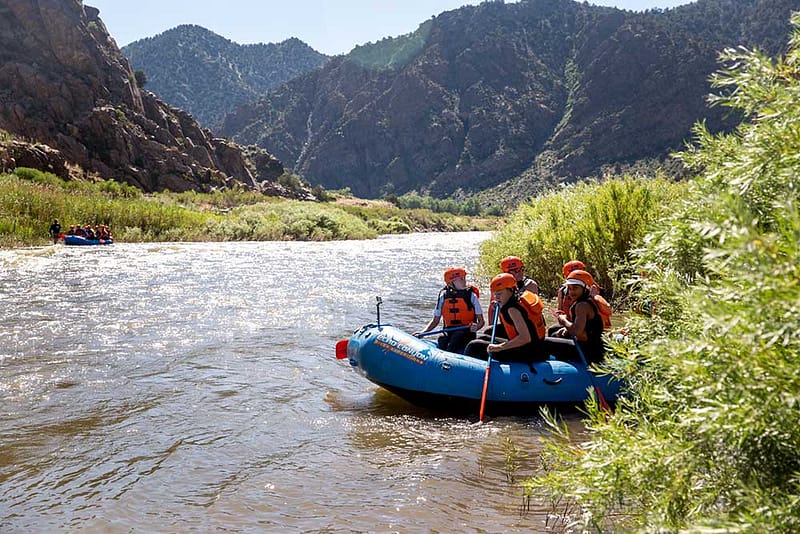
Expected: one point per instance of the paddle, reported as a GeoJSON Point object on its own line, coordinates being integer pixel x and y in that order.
{"type": "Point", "coordinates": [443, 330]}
{"type": "Point", "coordinates": [488, 363]}
{"type": "Point", "coordinates": [603, 404]}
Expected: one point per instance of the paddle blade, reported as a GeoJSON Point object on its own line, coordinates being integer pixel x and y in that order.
{"type": "Point", "coordinates": [483, 394]}
{"type": "Point", "coordinates": [341, 349]}
{"type": "Point", "coordinates": [602, 400]}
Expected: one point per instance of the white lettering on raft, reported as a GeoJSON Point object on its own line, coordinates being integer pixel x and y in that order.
{"type": "Point", "coordinates": [387, 342]}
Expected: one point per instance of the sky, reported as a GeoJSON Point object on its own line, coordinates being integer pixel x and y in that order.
{"type": "Point", "coordinates": [328, 26]}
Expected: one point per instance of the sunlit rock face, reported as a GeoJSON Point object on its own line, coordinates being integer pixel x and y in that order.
{"type": "Point", "coordinates": [64, 83]}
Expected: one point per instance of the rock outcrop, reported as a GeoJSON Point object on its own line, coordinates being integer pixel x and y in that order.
{"type": "Point", "coordinates": [65, 84]}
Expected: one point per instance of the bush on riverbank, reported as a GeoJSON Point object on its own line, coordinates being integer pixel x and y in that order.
{"type": "Point", "coordinates": [598, 224]}
{"type": "Point", "coordinates": [709, 438]}
{"type": "Point", "coordinates": [31, 199]}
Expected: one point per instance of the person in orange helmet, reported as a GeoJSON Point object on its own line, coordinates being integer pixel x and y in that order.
{"type": "Point", "coordinates": [565, 302]}
{"type": "Point", "coordinates": [458, 305]}
{"type": "Point", "coordinates": [584, 324]}
{"type": "Point", "coordinates": [520, 314]}
{"type": "Point", "coordinates": [516, 268]}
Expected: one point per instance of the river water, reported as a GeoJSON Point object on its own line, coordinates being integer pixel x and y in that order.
{"type": "Point", "coordinates": [193, 387]}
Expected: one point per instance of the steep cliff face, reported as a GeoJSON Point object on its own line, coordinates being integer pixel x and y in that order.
{"type": "Point", "coordinates": [64, 83]}
{"type": "Point", "coordinates": [537, 92]}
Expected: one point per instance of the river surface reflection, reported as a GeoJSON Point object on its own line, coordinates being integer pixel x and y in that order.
{"type": "Point", "coordinates": [193, 387]}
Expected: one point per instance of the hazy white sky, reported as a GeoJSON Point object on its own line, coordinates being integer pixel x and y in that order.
{"type": "Point", "coordinates": [329, 26]}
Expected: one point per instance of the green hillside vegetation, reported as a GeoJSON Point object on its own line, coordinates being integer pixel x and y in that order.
{"type": "Point", "coordinates": [708, 438]}
{"type": "Point", "coordinates": [31, 199]}
{"type": "Point", "coordinates": [392, 52]}
{"type": "Point", "coordinates": [470, 206]}
{"type": "Point", "coordinates": [598, 223]}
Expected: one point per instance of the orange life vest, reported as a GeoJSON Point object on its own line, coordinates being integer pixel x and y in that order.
{"type": "Point", "coordinates": [531, 307]}
{"type": "Point", "coordinates": [601, 305]}
{"type": "Point", "coordinates": [457, 308]}
{"type": "Point", "coordinates": [603, 310]}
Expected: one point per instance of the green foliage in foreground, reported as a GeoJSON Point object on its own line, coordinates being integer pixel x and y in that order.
{"type": "Point", "coordinates": [598, 224]}
{"type": "Point", "coordinates": [709, 437]}
{"type": "Point", "coordinates": [31, 199]}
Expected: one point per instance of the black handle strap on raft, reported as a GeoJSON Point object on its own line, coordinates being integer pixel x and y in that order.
{"type": "Point", "coordinates": [379, 301]}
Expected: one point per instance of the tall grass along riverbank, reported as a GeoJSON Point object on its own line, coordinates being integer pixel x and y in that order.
{"type": "Point", "coordinates": [30, 200]}
{"type": "Point", "coordinates": [598, 223]}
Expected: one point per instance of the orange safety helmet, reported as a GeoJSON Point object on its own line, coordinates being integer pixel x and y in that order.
{"type": "Point", "coordinates": [510, 263]}
{"type": "Point", "coordinates": [451, 273]}
{"type": "Point", "coordinates": [503, 281]}
{"type": "Point", "coordinates": [581, 278]}
{"type": "Point", "coordinates": [572, 266]}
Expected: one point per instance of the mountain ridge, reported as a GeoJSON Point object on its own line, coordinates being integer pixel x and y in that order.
{"type": "Point", "coordinates": [208, 75]}
{"type": "Point", "coordinates": [533, 93]}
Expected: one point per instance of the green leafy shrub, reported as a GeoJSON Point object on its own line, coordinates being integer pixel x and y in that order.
{"type": "Point", "coordinates": [35, 175]}
{"type": "Point", "coordinates": [415, 201]}
{"type": "Point", "coordinates": [598, 224]}
{"type": "Point", "coordinates": [118, 190]}
{"type": "Point", "coordinates": [708, 438]}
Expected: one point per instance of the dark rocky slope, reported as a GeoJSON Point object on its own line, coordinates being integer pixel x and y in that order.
{"type": "Point", "coordinates": [65, 84]}
{"type": "Point", "coordinates": [524, 94]}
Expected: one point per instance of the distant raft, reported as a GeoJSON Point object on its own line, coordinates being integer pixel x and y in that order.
{"type": "Point", "coordinates": [79, 240]}
{"type": "Point", "coordinates": [424, 375]}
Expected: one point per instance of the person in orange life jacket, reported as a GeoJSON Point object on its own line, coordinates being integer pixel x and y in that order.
{"type": "Point", "coordinates": [565, 301]}
{"type": "Point", "coordinates": [103, 232]}
{"type": "Point", "coordinates": [584, 323]}
{"type": "Point", "coordinates": [515, 267]}
{"type": "Point", "coordinates": [458, 305]}
{"type": "Point", "coordinates": [521, 317]}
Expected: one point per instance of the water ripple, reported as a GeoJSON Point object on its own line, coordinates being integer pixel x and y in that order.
{"type": "Point", "coordinates": [193, 387]}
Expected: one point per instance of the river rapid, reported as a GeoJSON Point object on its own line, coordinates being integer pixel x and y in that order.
{"type": "Point", "coordinates": [193, 387]}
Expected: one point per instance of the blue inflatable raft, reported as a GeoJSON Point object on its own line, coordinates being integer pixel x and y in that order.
{"type": "Point", "coordinates": [421, 373]}
{"type": "Point", "coordinates": [80, 240]}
